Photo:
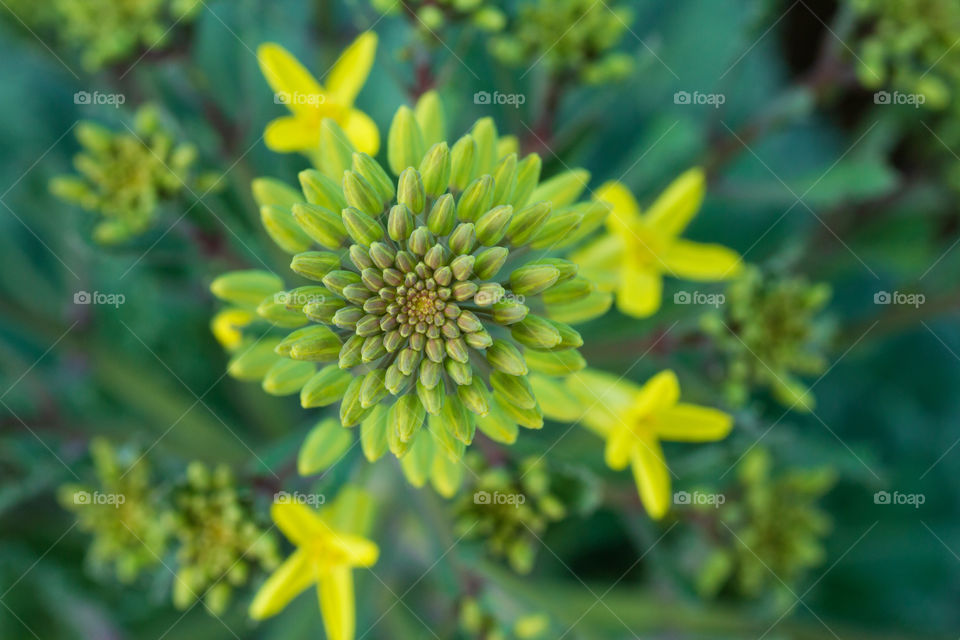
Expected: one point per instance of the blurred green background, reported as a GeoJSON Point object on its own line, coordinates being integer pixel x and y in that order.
{"type": "Point", "coordinates": [808, 175]}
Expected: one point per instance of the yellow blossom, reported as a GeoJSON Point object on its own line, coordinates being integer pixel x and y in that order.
{"type": "Point", "coordinates": [325, 556]}
{"type": "Point", "coordinates": [227, 326]}
{"type": "Point", "coordinates": [310, 102]}
{"type": "Point", "coordinates": [641, 247]}
{"type": "Point", "coordinates": [634, 420]}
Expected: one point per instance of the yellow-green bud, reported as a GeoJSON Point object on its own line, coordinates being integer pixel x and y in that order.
{"type": "Point", "coordinates": [373, 434]}
{"type": "Point", "coordinates": [489, 261]}
{"type": "Point", "coordinates": [531, 279]}
{"type": "Point", "coordinates": [325, 387]}
{"type": "Point", "coordinates": [323, 225]}
{"type": "Point", "coordinates": [528, 222]}
{"type": "Point", "coordinates": [350, 353]}
{"type": "Point", "coordinates": [492, 225]}
{"type": "Point", "coordinates": [337, 279]}
{"type": "Point", "coordinates": [287, 376]}
{"type": "Point", "coordinates": [274, 310]}
{"type": "Point", "coordinates": [562, 189]}
{"type": "Point", "coordinates": [252, 363]}
{"type": "Point", "coordinates": [410, 190]}
{"type": "Point", "coordinates": [536, 332]}
{"type": "Point", "coordinates": [431, 117]}
{"type": "Point", "coordinates": [455, 416]}
{"type": "Point", "coordinates": [463, 239]}
{"type": "Point", "coordinates": [321, 345]}
{"type": "Point", "coordinates": [443, 215]}
{"type": "Point", "coordinates": [559, 226]}
{"type": "Point", "coordinates": [406, 416]}
{"type": "Point", "coordinates": [351, 411]}
{"type": "Point", "coordinates": [555, 363]}
{"type": "Point", "coordinates": [246, 288]}
{"type": "Point", "coordinates": [400, 223]}
{"type": "Point", "coordinates": [270, 191]}
{"type": "Point", "coordinates": [570, 291]}
{"type": "Point", "coordinates": [430, 398]}
{"type": "Point", "coordinates": [505, 179]}
{"type": "Point", "coordinates": [459, 372]}
{"type": "Point", "coordinates": [509, 312]}
{"type": "Point", "coordinates": [505, 357]}
{"type": "Point", "coordinates": [515, 389]}
{"type": "Point", "coordinates": [314, 264]}
{"type": "Point", "coordinates": [362, 228]}
{"type": "Point", "coordinates": [360, 194]}
{"type": "Point", "coordinates": [475, 199]}
{"type": "Point", "coordinates": [321, 190]}
{"type": "Point", "coordinates": [475, 396]}
{"type": "Point", "coordinates": [463, 159]}
{"type": "Point", "coordinates": [372, 389]}
{"type": "Point", "coordinates": [404, 141]}
{"type": "Point", "coordinates": [485, 133]}
{"type": "Point", "coordinates": [284, 229]}
{"type": "Point", "coordinates": [374, 174]}
{"type": "Point", "coordinates": [528, 175]}
{"type": "Point", "coordinates": [529, 418]}
{"type": "Point", "coordinates": [335, 153]}
{"type": "Point", "coordinates": [435, 169]}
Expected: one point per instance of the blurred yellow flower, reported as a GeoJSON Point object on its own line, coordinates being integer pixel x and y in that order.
{"type": "Point", "coordinates": [309, 102]}
{"type": "Point", "coordinates": [634, 420]}
{"type": "Point", "coordinates": [324, 556]}
{"type": "Point", "coordinates": [641, 247]}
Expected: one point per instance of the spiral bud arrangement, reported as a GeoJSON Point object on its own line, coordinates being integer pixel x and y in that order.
{"type": "Point", "coordinates": [428, 305]}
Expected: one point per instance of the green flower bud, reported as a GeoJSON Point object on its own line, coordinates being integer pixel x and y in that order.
{"type": "Point", "coordinates": [435, 169]}
{"type": "Point", "coordinates": [351, 411]}
{"type": "Point", "coordinates": [361, 195]}
{"type": "Point", "coordinates": [475, 199]}
{"type": "Point", "coordinates": [396, 381]}
{"type": "Point", "coordinates": [509, 312]}
{"type": "Point", "coordinates": [246, 288]}
{"type": "Point", "coordinates": [372, 349]}
{"type": "Point", "coordinates": [497, 426]}
{"type": "Point", "coordinates": [374, 174]}
{"type": "Point", "coordinates": [410, 190]}
{"type": "Point", "coordinates": [531, 279]}
{"type": "Point", "coordinates": [570, 291]}
{"type": "Point", "coordinates": [529, 418]}
{"type": "Point", "coordinates": [457, 350]}
{"type": "Point", "coordinates": [492, 225]}
{"type": "Point", "coordinates": [362, 228]}
{"type": "Point", "coordinates": [431, 372]}
{"type": "Point", "coordinates": [400, 223]}
{"type": "Point", "coordinates": [475, 397]}
{"type": "Point", "coordinates": [314, 264]}
{"type": "Point", "coordinates": [515, 389]}
{"type": "Point", "coordinates": [443, 215]}
{"type": "Point", "coordinates": [485, 133]}
{"type": "Point", "coordinates": [337, 279]}
{"type": "Point", "coordinates": [321, 224]}
{"type": "Point", "coordinates": [528, 222]}
{"type": "Point", "coordinates": [593, 306]}
{"type": "Point", "coordinates": [430, 398]}
{"type": "Point", "coordinates": [286, 377]}
{"type": "Point", "coordinates": [325, 387]}
{"type": "Point", "coordinates": [335, 153]}
{"type": "Point", "coordinates": [455, 416]}
{"type": "Point", "coordinates": [431, 117]}
{"type": "Point", "coordinates": [489, 294]}
{"type": "Point", "coordinates": [559, 226]}
{"type": "Point", "coordinates": [490, 261]}
{"type": "Point", "coordinates": [253, 362]}
{"type": "Point", "coordinates": [536, 332]}
{"type": "Point", "coordinates": [463, 239]}
{"type": "Point", "coordinates": [459, 372]}
{"type": "Point", "coordinates": [528, 175]}
{"type": "Point", "coordinates": [462, 266]}
{"type": "Point", "coordinates": [463, 158]}
{"type": "Point", "coordinates": [505, 357]}
{"type": "Point", "coordinates": [555, 363]}
{"type": "Point", "coordinates": [274, 310]}
{"type": "Point", "coordinates": [322, 190]}
{"type": "Point", "coordinates": [562, 189]}
{"type": "Point", "coordinates": [350, 354]}
{"type": "Point", "coordinates": [505, 179]}
{"type": "Point", "coordinates": [347, 317]}
{"type": "Point", "coordinates": [320, 345]}
{"type": "Point", "coordinates": [372, 390]}
{"type": "Point", "coordinates": [406, 416]}
{"type": "Point", "coordinates": [569, 337]}
{"type": "Point", "coordinates": [283, 229]}
{"type": "Point", "coordinates": [373, 434]}
{"type": "Point", "coordinates": [404, 141]}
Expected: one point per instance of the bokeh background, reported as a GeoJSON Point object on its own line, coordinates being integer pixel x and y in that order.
{"type": "Point", "coordinates": [810, 175]}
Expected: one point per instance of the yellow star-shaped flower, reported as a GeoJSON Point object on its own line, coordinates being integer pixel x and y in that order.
{"type": "Point", "coordinates": [309, 102]}
{"type": "Point", "coordinates": [641, 247]}
{"type": "Point", "coordinates": [634, 420]}
{"type": "Point", "coordinates": [324, 556]}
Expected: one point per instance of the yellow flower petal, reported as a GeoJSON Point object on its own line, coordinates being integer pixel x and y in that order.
{"type": "Point", "coordinates": [599, 261]}
{"type": "Point", "coordinates": [298, 522]}
{"type": "Point", "coordinates": [358, 551]}
{"type": "Point", "coordinates": [290, 133]}
{"type": "Point", "coordinates": [626, 212]}
{"type": "Point", "coordinates": [675, 207]}
{"type": "Point", "coordinates": [620, 445]}
{"type": "Point", "coordinates": [286, 76]}
{"type": "Point", "coordinates": [337, 603]}
{"type": "Point", "coordinates": [692, 423]}
{"type": "Point", "coordinates": [697, 261]}
{"type": "Point", "coordinates": [659, 393]}
{"type": "Point", "coordinates": [350, 71]}
{"type": "Point", "coordinates": [606, 399]}
{"type": "Point", "coordinates": [652, 477]}
{"type": "Point", "coordinates": [227, 324]}
{"type": "Point", "coordinates": [286, 583]}
{"type": "Point", "coordinates": [639, 292]}
{"type": "Point", "coordinates": [361, 131]}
